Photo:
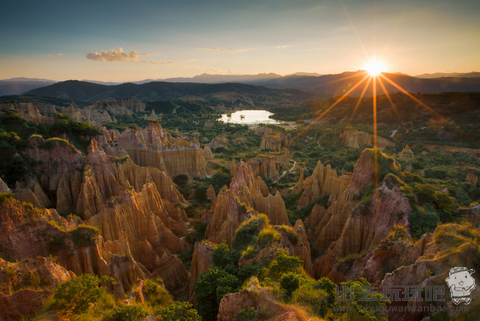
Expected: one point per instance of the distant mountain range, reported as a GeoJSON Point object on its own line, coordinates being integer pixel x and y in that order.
{"type": "Point", "coordinates": [321, 85]}
{"type": "Point", "coordinates": [472, 74]}
{"type": "Point", "coordinates": [235, 94]}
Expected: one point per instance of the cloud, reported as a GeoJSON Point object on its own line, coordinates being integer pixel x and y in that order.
{"type": "Point", "coordinates": [52, 56]}
{"type": "Point", "coordinates": [282, 47]}
{"type": "Point", "coordinates": [191, 59]}
{"type": "Point", "coordinates": [224, 50]}
{"type": "Point", "coordinates": [60, 54]}
{"type": "Point", "coordinates": [116, 55]}
{"type": "Point", "coordinates": [153, 62]}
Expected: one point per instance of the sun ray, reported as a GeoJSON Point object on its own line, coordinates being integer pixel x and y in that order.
{"type": "Point", "coordinates": [346, 77]}
{"type": "Point", "coordinates": [360, 99]}
{"type": "Point", "coordinates": [390, 100]}
{"type": "Point", "coordinates": [325, 112]}
{"type": "Point", "coordinates": [394, 31]}
{"type": "Point", "coordinates": [354, 29]}
{"type": "Point", "coordinates": [375, 129]}
{"type": "Point", "coordinates": [412, 96]}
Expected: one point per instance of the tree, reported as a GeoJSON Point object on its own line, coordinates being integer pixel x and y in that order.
{"type": "Point", "coordinates": [77, 294]}
{"type": "Point", "coordinates": [178, 311]}
{"type": "Point", "coordinates": [127, 313]}
{"type": "Point", "coordinates": [209, 290]}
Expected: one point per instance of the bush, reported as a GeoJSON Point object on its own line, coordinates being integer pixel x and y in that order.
{"type": "Point", "coordinates": [127, 313]}
{"type": "Point", "coordinates": [285, 263]}
{"type": "Point", "coordinates": [178, 311]}
{"type": "Point", "coordinates": [291, 234]}
{"type": "Point", "coordinates": [77, 294]}
{"type": "Point", "coordinates": [156, 294]}
{"type": "Point", "coordinates": [290, 282]}
{"type": "Point", "coordinates": [222, 256]}
{"type": "Point", "coordinates": [248, 231]}
{"type": "Point", "coordinates": [268, 235]}
{"type": "Point", "coordinates": [84, 235]}
{"type": "Point", "coordinates": [209, 290]}
{"type": "Point", "coordinates": [317, 299]}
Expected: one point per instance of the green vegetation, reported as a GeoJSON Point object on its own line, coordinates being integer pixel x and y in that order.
{"type": "Point", "coordinates": [248, 231]}
{"type": "Point", "coordinates": [127, 313]}
{"type": "Point", "coordinates": [75, 296]}
{"type": "Point", "coordinates": [178, 311]}
{"type": "Point", "coordinates": [16, 132]}
{"type": "Point", "coordinates": [84, 235]}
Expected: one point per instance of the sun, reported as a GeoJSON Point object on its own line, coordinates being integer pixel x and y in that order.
{"type": "Point", "coordinates": [374, 67]}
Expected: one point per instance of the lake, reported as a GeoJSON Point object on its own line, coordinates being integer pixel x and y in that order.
{"type": "Point", "coordinates": [249, 117]}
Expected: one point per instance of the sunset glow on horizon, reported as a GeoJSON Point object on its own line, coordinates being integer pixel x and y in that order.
{"type": "Point", "coordinates": [158, 39]}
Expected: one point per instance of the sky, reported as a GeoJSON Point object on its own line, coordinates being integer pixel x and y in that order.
{"type": "Point", "coordinates": [136, 40]}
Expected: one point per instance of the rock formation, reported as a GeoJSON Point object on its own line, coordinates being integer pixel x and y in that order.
{"type": "Point", "coordinates": [36, 112]}
{"type": "Point", "coordinates": [269, 164]}
{"type": "Point", "coordinates": [406, 154]}
{"type": "Point", "coordinates": [299, 186]}
{"type": "Point", "coordinates": [239, 202]}
{"type": "Point", "coordinates": [218, 141]}
{"type": "Point", "coordinates": [347, 227]}
{"type": "Point", "coordinates": [211, 193]}
{"type": "Point", "coordinates": [323, 181]}
{"type": "Point", "coordinates": [472, 178]}
{"type": "Point", "coordinates": [355, 139]}
{"type": "Point", "coordinates": [155, 147]}
{"type": "Point", "coordinates": [273, 141]}
{"type": "Point", "coordinates": [207, 154]}
{"type": "Point", "coordinates": [119, 106]}
{"type": "Point", "coordinates": [201, 262]}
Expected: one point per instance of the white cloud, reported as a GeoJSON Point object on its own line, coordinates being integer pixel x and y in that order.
{"type": "Point", "coordinates": [53, 56]}
{"type": "Point", "coordinates": [191, 59]}
{"type": "Point", "coordinates": [116, 55]}
{"type": "Point", "coordinates": [153, 62]}
{"type": "Point", "coordinates": [224, 50]}
{"type": "Point", "coordinates": [282, 47]}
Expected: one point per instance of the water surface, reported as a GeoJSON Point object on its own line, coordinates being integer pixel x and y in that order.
{"type": "Point", "coordinates": [249, 117]}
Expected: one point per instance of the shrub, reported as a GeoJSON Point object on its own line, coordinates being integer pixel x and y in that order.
{"type": "Point", "coordinates": [77, 294]}
{"type": "Point", "coordinates": [243, 315]}
{"type": "Point", "coordinates": [291, 234]}
{"type": "Point", "coordinates": [290, 282]}
{"type": "Point", "coordinates": [317, 299]}
{"type": "Point", "coordinates": [285, 263]}
{"type": "Point", "coordinates": [156, 294]}
{"type": "Point", "coordinates": [248, 271]}
{"type": "Point", "coordinates": [222, 256]}
{"type": "Point", "coordinates": [178, 311]}
{"type": "Point", "coordinates": [127, 313]}
{"type": "Point", "coordinates": [209, 290]}
{"type": "Point", "coordinates": [248, 231]}
{"type": "Point", "coordinates": [5, 198]}
{"type": "Point", "coordinates": [268, 235]}
{"type": "Point", "coordinates": [84, 235]}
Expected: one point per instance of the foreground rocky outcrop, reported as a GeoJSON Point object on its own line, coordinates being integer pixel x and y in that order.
{"type": "Point", "coordinates": [348, 226]}
{"type": "Point", "coordinates": [27, 285]}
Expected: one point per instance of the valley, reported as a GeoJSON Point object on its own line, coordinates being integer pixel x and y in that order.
{"type": "Point", "coordinates": [158, 207]}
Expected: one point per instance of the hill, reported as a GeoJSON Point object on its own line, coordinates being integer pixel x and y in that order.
{"type": "Point", "coordinates": [337, 84]}
{"type": "Point", "coordinates": [228, 93]}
